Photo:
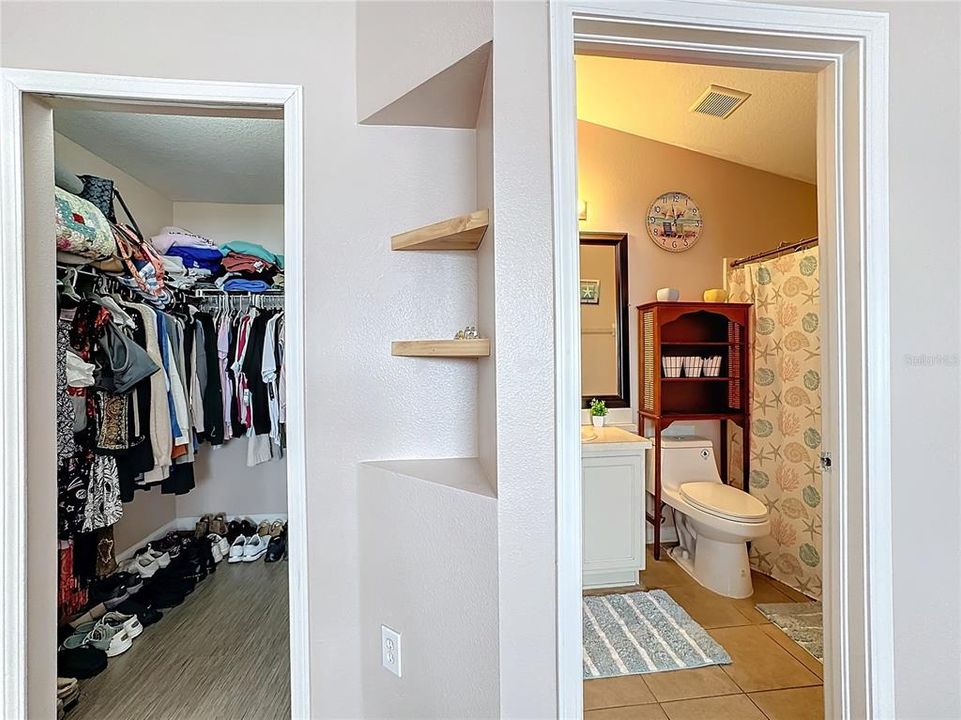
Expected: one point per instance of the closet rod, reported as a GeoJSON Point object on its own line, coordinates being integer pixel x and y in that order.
{"type": "Point", "coordinates": [781, 249]}
{"type": "Point", "coordinates": [193, 292]}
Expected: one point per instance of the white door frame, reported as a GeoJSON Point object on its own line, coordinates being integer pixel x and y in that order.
{"type": "Point", "coordinates": [850, 49]}
{"type": "Point", "coordinates": [14, 84]}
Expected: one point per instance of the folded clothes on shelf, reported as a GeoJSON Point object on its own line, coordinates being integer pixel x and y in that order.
{"type": "Point", "coordinates": [207, 258]}
{"type": "Point", "coordinates": [178, 237]}
{"type": "Point", "coordinates": [237, 284]}
{"type": "Point", "coordinates": [242, 247]}
{"type": "Point", "coordinates": [244, 263]}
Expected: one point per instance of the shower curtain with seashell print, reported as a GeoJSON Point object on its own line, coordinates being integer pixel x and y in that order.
{"type": "Point", "coordinates": [785, 472]}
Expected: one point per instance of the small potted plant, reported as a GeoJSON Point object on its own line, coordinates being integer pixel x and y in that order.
{"type": "Point", "coordinates": [598, 412]}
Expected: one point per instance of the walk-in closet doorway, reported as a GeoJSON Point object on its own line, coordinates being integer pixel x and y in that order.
{"type": "Point", "coordinates": [28, 343]}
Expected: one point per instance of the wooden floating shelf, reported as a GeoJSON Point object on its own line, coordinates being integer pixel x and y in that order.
{"type": "Point", "coordinates": [441, 348]}
{"type": "Point", "coordinates": [464, 232]}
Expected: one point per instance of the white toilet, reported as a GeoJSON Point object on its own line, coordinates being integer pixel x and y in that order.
{"type": "Point", "coordinates": [714, 521]}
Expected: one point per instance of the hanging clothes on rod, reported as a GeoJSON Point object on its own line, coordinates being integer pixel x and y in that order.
{"type": "Point", "coordinates": [140, 389]}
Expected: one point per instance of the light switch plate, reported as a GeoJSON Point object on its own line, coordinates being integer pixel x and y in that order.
{"type": "Point", "coordinates": [390, 649]}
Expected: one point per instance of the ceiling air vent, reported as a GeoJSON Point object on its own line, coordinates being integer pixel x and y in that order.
{"type": "Point", "coordinates": [719, 101]}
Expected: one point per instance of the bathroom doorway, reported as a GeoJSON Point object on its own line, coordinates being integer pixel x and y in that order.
{"type": "Point", "coordinates": [630, 467]}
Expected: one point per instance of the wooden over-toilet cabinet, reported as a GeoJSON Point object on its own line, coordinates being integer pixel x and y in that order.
{"type": "Point", "coordinates": [701, 330]}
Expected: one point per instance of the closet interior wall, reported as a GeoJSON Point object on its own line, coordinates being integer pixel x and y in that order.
{"type": "Point", "coordinates": [224, 482]}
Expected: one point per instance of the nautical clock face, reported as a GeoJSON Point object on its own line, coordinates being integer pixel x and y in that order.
{"type": "Point", "coordinates": [674, 222]}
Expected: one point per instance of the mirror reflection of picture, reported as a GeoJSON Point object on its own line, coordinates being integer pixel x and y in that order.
{"type": "Point", "coordinates": [590, 292]}
{"type": "Point", "coordinates": [605, 356]}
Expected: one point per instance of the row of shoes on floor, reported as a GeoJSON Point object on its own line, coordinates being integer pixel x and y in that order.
{"type": "Point", "coordinates": [241, 541]}
{"type": "Point", "coordinates": [159, 576]}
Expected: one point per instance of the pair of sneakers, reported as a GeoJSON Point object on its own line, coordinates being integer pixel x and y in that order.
{"type": "Point", "coordinates": [147, 562]}
{"type": "Point", "coordinates": [113, 634]}
{"type": "Point", "coordinates": [248, 549]}
{"type": "Point", "coordinates": [219, 547]}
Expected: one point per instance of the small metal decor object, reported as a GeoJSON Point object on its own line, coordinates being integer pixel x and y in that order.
{"type": "Point", "coordinates": [470, 332]}
{"type": "Point", "coordinates": [459, 335]}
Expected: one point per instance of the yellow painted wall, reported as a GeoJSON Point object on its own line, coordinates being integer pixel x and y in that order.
{"type": "Point", "coordinates": [744, 211]}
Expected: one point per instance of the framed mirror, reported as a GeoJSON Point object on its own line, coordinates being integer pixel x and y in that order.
{"type": "Point", "coordinates": [605, 355]}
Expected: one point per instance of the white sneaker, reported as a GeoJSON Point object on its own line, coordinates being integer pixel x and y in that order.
{"type": "Point", "coordinates": [161, 558]}
{"type": "Point", "coordinates": [256, 548]}
{"type": "Point", "coordinates": [116, 621]}
{"type": "Point", "coordinates": [221, 542]}
{"type": "Point", "coordinates": [215, 548]}
{"type": "Point", "coordinates": [236, 553]}
{"type": "Point", "coordinates": [112, 640]}
{"type": "Point", "coordinates": [142, 565]}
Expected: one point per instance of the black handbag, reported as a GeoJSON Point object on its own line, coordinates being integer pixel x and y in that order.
{"type": "Point", "coordinates": [101, 192]}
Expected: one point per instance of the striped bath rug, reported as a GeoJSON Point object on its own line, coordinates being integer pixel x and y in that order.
{"type": "Point", "coordinates": [643, 632]}
{"type": "Point", "coordinates": [802, 622]}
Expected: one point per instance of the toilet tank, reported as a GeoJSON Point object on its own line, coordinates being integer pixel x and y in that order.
{"type": "Point", "coordinates": [687, 458]}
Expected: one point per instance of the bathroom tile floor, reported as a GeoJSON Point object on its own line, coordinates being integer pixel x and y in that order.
{"type": "Point", "coordinates": [770, 677]}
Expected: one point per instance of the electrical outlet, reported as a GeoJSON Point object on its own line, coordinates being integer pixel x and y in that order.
{"type": "Point", "coordinates": [390, 649]}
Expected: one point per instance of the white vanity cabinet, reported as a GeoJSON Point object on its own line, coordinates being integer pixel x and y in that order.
{"type": "Point", "coordinates": [613, 488]}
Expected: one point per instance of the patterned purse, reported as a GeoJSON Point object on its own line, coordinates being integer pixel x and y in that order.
{"type": "Point", "coordinates": [99, 191]}
{"type": "Point", "coordinates": [137, 254]}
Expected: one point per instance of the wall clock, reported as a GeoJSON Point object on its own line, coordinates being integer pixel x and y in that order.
{"type": "Point", "coordinates": [674, 222]}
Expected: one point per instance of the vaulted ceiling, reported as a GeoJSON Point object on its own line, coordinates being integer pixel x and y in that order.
{"type": "Point", "coordinates": [774, 130]}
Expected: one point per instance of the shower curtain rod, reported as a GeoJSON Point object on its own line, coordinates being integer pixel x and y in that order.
{"type": "Point", "coordinates": [780, 249]}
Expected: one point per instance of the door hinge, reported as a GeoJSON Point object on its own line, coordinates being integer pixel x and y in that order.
{"type": "Point", "coordinates": [825, 461]}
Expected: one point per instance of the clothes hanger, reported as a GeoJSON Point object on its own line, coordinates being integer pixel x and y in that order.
{"type": "Point", "coordinates": [67, 285]}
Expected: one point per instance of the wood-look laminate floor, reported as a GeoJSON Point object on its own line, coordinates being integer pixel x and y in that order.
{"type": "Point", "coordinates": [222, 654]}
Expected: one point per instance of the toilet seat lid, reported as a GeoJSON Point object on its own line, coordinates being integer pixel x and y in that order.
{"type": "Point", "coordinates": [724, 501]}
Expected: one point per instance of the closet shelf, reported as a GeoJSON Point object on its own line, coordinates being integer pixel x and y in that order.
{"type": "Point", "coordinates": [464, 232]}
{"type": "Point", "coordinates": [480, 347]}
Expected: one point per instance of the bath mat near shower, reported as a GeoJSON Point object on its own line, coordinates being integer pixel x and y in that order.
{"type": "Point", "coordinates": [802, 622]}
{"type": "Point", "coordinates": [643, 632]}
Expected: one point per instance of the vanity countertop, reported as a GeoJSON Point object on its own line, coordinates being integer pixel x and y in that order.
{"type": "Point", "coordinates": [597, 440]}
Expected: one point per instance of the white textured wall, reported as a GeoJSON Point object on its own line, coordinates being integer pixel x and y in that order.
{"type": "Point", "coordinates": [925, 146]}
{"type": "Point", "coordinates": [362, 185]}
{"type": "Point", "coordinates": [402, 43]}
{"type": "Point", "coordinates": [223, 222]}
{"type": "Point", "coordinates": [524, 302]}
{"type": "Point", "coordinates": [438, 588]}
{"type": "Point", "coordinates": [486, 309]}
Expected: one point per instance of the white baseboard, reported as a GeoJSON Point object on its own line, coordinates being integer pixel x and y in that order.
{"type": "Point", "coordinates": [188, 523]}
{"type": "Point", "coordinates": [128, 553]}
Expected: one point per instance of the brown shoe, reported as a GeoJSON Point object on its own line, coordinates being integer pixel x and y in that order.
{"type": "Point", "coordinates": [202, 528]}
{"type": "Point", "coordinates": [218, 524]}
{"type": "Point", "coordinates": [276, 528]}
{"type": "Point", "coordinates": [263, 529]}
